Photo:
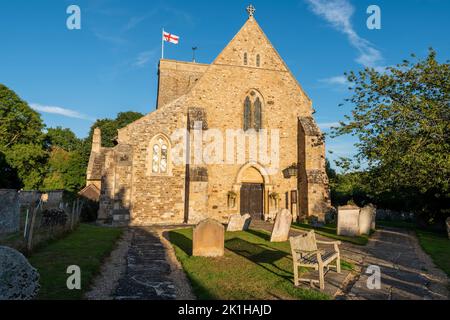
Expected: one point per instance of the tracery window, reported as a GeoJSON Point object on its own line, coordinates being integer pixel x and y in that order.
{"type": "Point", "coordinates": [253, 111]}
{"type": "Point", "coordinates": [160, 156]}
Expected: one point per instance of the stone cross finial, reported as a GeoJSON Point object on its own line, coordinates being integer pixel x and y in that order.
{"type": "Point", "coordinates": [251, 10]}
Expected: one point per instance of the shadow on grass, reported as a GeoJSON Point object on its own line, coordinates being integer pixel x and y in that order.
{"type": "Point", "coordinates": [258, 254]}
{"type": "Point", "coordinates": [181, 241]}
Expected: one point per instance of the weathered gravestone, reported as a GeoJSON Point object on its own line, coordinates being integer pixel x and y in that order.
{"type": "Point", "coordinates": [247, 221]}
{"type": "Point", "coordinates": [367, 219]}
{"type": "Point", "coordinates": [208, 239]}
{"type": "Point", "coordinates": [348, 221]}
{"type": "Point", "coordinates": [235, 223]}
{"type": "Point", "coordinates": [447, 222]}
{"type": "Point", "coordinates": [238, 222]}
{"type": "Point", "coordinates": [18, 279]}
{"type": "Point", "coordinates": [9, 211]}
{"type": "Point", "coordinates": [280, 232]}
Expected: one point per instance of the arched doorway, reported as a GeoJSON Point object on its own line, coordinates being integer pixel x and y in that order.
{"type": "Point", "coordinates": [252, 193]}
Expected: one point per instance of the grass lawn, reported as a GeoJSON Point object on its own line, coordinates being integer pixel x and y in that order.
{"type": "Point", "coordinates": [86, 247]}
{"type": "Point", "coordinates": [330, 231]}
{"type": "Point", "coordinates": [437, 245]}
{"type": "Point", "coordinates": [253, 268]}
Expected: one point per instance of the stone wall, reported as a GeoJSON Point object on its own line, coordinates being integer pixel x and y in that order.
{"type": "Point", "coordinates": [177, 78]}
{"type": "Point", "coordinates": [9, 211]}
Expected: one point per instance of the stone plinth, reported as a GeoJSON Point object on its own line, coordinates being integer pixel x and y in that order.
{"type": "Point", "coordinates": [208, 239]}
{"type": "Point", "coordinates": [348, 221]}
{"type": "Point", "coordinates": [367, 219]}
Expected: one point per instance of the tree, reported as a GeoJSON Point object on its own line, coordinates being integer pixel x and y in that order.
{"type": "Point", "coordinates": [66, 171]}
{"type": "Point", "coordinates": [18, 122]}
{"type": "Point", "coordinates": [402, 120]}
{"type": "Point", "coordinates": [62, 138]}
{"type": "Point", "coordinates": [22, 157]}
{"type": "Point", "coordinates": [30, 161]}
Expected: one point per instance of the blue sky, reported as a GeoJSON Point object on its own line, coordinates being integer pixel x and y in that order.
{"type": "Point", "coordinates": [109, 66]}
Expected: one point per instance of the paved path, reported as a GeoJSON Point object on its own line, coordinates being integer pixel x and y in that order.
{"type": "Point", "coordinates": [147, 275]}
{"type": "Point", "coordinates": [407, 273]}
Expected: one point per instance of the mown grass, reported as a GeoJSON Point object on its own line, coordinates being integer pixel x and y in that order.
{"type": "Point", "coordinates": [330, 231]}
{"type": "Point", "coordinates": [86, 247]}
{"type": "Point", "coordinates": [252, 268]}
{"type": "Point", "coordinates": [436, 245]}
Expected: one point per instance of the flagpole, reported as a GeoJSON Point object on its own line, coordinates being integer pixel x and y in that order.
{"type": "Point", "coordinates": [162, 44]}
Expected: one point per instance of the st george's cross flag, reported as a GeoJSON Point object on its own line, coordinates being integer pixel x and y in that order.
{"type": "Point", "coordinates": [168, 37]}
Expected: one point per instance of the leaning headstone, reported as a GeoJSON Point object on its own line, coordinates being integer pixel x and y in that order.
{"type": "Point", "coordinates": [18, 279]}
{"type": "Point", "coordinates": [282, 226]}
{"type": "Point", "coordinates": [447, 222]}
{"type": "Point", "coordinates": [247, 221]}
{"type": "Point", "coordinates": [348, 221]}
{"type": "Point", "coordinates": [208, 239]}
{"type": "Point", "coordinates": [235, 223]}
{"type": "Point", "coordinates": [239, 223]}
{"type": "Point", "coordinates": [9, 211]}
{"type": "Point", "coordinates": [367, 219]}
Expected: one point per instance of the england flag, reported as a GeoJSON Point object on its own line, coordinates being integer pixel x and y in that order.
{"type": "Point", "coordinates": [168, 37]}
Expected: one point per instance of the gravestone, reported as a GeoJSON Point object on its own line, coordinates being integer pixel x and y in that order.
{"type": "Point", "coordinates": [9, 211]}
{"type": "Point", "coordinates": [18, 279]}
{"type": "Point", "coordinates": [447, 222]}
{"type": "Point", "coordinates": [235, 223]}
{"type": "Point", "coordinates": [247, 221]}
{"type": "Point", "coordinates": [282, 226]}
{"type": "Point", "coordinates": [208, 239]}
{"type": "Point", "coordinates": [348, 221]}
{"type": "Point", "coordinates": [367, 219]}
{"type": "Point", "coordinates": [239, 223]}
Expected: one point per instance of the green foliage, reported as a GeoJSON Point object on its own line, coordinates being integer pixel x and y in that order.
{"type": "Point", "coordinates": [19, 124]}
{"type": "Point", "coordinates": [22, 157]}
{"type": "Point", "coordinates": [65, 171]}
{"type": "Point", "coordinates": [29, 161]}
{"type": "Point", "coordinates": [402, 120]}
{"type": "Point", "coordinates": [62, 138]}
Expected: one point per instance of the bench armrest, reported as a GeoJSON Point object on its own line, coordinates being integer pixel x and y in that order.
{"type": "Point", "coordinates": [329, 242]}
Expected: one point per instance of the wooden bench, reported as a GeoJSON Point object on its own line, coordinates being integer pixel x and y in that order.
{"type": "Point", "coordinates": [305, 253]}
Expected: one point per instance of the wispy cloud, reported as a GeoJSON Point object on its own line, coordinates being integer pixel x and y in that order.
{"type": "Point", "coordinates": [339, 13]}
{"type": "Point", "coordinates": [143, 58]}
{"type": "Point", "coordinates": [116, 40]}
{"type": "Point", "coordinates": [338, 80]}
{"type": "Point", "coordinates": [60, 111]}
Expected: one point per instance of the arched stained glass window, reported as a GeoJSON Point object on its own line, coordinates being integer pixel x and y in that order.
{"type": "Point", "coordinates": [257, 114]}
{"type": "Point", "coordinates": [160, 155]}
{"type": "Point", "coordinates": [253, 109]}
{"type": "Point", "coordinates": [247, 114]}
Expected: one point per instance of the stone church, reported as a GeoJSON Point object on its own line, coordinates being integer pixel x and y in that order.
{"type": "Point", "coordinates": [247, 90]}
